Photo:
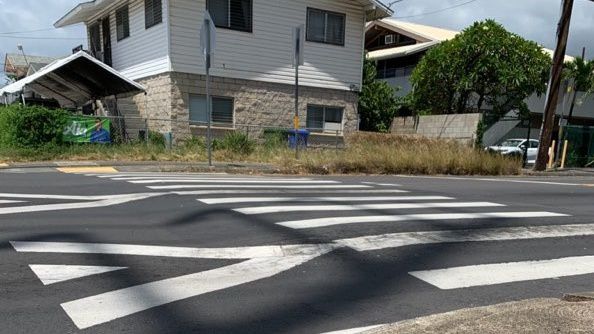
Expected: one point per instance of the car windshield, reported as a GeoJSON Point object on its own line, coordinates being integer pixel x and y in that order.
{"type": "Point", "coordinates": [512, 143]}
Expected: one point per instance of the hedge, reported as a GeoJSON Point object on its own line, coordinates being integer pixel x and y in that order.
{"type": "Point", "coordinates": [31, 126]}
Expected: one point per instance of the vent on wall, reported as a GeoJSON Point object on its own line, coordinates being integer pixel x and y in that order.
{"type": "Point", "coordinates": [389, 39]}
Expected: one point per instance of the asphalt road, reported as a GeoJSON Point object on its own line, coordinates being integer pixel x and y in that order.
{"type": "Point", "coordinates": [167, 253]}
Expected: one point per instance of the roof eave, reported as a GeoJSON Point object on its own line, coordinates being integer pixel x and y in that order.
{"type": "Point", "coordinates": [74, 16]}
{"type": "Point", "coordinates": [377, 10]}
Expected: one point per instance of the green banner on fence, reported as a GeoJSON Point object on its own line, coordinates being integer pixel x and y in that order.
{"type": "Point", "coordinates": [87, 130]}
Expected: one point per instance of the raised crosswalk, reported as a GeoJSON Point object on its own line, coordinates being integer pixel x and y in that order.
{"type": "Point", "coordinates": [312, 203]}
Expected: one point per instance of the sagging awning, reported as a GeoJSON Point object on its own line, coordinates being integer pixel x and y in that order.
{"type": "Point", "coordinates": [75, 80]}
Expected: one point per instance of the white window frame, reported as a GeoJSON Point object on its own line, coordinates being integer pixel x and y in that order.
{"type": "Point", "coordinates": [217, 124]}
{"type": "Point", "coordinates": [326, 13]}
{"type": "Point", "coordinates": [250, 30]}
{"type": "Point", "coordinates": [325, 127]}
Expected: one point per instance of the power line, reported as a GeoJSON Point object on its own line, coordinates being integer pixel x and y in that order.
{"type": "Point", "coordinates": [48, 37]}
{"type": "Point", "coordinates": [26, 31]}
{"type": "Point", "coordinates": [437, 11]}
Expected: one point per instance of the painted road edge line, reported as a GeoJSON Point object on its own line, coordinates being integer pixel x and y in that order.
{"type": "Point", "coordinates": [82, 170]}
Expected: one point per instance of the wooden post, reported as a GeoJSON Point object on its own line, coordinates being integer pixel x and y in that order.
{"type": "Point", "coordinates": [564, 156]}
{"type": "Point", "coordinates": [551, 155]}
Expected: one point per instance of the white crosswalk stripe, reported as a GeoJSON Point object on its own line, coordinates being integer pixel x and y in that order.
{"type": "Point", "coordinates": [236, 200]}
{"type": "Point", "coordinates": [390, 206]}
{"type": "Point", "coordinates": [499, 273]}
{"type": "Point", "coordinates": [331, 221]}
{"type": "Point", "coordinates": [261, 186]}
{"type": "Point", "coordinates": [340, 191]}
{"type": "Point", "coordinates": [326, 199]}
{"type": "Point", "coordinates": [10, 202]}
{"type": "Point", "coordinates": [264, 184]}
{"type": "Point", "coordinates": [152, 181]}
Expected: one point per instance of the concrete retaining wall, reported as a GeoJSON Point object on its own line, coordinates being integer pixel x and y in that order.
{"type": "Point", "coordinates": [459, 126]}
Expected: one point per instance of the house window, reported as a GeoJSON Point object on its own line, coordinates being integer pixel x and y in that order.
{"type": "Point", "coordinates": [222, 110]}
{"type": "Point", "coordinates": [95, 39]}
{"type": "Point", "coordinates": [325, 27]}
{"type": "Point", "coordinates": [231, 14]}
{"type": "Point", "coordinates": [153, 13]}
{"type": "Point", "coordinates": [122, 23]}
{"type": "Point", "coordinates": [324, 118]}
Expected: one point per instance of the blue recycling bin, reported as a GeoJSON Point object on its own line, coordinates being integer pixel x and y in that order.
{"type": "Point", "coordinates": [298, 137]}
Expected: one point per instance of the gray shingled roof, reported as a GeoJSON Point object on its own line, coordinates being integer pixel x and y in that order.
{"type": "Point", "coordinates": [16, 59]}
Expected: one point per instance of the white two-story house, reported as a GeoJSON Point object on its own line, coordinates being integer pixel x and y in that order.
{"type": "Point", "coordinates": [157, 43]}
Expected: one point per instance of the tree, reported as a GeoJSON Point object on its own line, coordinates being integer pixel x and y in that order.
{"type": "Point", "coordinates": [581, 72]}
{"type": "Point", "coordinates": [484, 67]}
{"type": "Point", "coordinates": [377, 101]}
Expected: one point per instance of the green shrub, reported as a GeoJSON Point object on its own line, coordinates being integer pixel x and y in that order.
{"type": "Point", "coordinates": [274, 138]}
{"type": "Point", "coordinates": [236, 142]}
{"type": "Point", "coordinates": [156, 138]}
{"type": "Point", "coordinates": [31, 126]}
{"type": "Point", "coordinates": [194, 143]}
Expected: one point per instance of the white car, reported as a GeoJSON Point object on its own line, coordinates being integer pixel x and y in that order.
{"type": "Point", "coordinates": [516, 147]}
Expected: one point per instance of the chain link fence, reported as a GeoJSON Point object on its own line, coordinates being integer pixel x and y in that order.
{"type": "Point", "coordinates": [124, 129]}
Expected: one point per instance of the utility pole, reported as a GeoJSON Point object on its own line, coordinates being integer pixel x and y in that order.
{"type": "Point", "coordinates": [546, 133]}
{"type": "Point", "coordinates": [20, 47]}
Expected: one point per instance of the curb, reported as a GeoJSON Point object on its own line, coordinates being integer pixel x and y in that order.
{"type": "Point", "coordinates": [150, 166]}
{"type": "Point", "coordinates": [578, 297]}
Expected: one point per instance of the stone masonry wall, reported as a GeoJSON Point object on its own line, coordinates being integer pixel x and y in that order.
{"type": "Point", "coordinates": [257, 103]}
{"type": "Point", "coordinates": [155, 105]}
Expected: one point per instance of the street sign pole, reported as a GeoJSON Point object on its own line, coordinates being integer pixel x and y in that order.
{"type": "Point", "coordinates": [207, 39]}
{"type": "Point", "coordinates": [298, 40]}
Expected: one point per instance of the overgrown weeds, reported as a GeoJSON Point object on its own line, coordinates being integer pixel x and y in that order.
{"type": "Point", "coordinates": [365, 154]}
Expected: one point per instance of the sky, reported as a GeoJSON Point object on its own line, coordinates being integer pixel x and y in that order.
{"type": "Point", "coordinates": [532, 19]}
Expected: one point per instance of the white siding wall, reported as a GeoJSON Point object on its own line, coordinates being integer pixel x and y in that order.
{"type": "Point", "coordinates": [146, 51]}
{"type": "Point", "coordinates": [266, 54]}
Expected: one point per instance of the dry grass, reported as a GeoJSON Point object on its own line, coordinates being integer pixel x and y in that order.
{"type": "Point", "coordinates": [366, 154]}
{"type": "Point", "coordinates": [394, 154]}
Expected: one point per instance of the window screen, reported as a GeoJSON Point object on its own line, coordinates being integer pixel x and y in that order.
{"type": "Point", "coordinates": [315, 117]}
{"type": "Point", "coordinates": [123, 23]}
{"type": "Point", "coordinates": [325, 27]}
{"type": "Point", "coordinates": [318, 117]}
{"type": "Point", "coordinates": [231, 14]}
{"type": "Point", "coordinates": [153, 13]}
{"type": "Point", "coordinates": [222, 109]}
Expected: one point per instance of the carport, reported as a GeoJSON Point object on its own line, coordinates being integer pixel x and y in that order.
{"type": "Point", "coordinates": [73, 82]}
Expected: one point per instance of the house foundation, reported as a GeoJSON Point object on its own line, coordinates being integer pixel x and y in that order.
{"type": "Point", "coordinates": [256, 104]}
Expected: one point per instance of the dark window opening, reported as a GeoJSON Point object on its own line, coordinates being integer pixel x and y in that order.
{"type": "Point", "coordinates": [325, 26]}
{"type": "Point", "coordinates": [153, 13]}
{"type": "Point", "coordinates": [222, 110]}
{"type": "Point", "coordinates": [122, 23]}
{"type": "Point", "coordinates": [231, 14]}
